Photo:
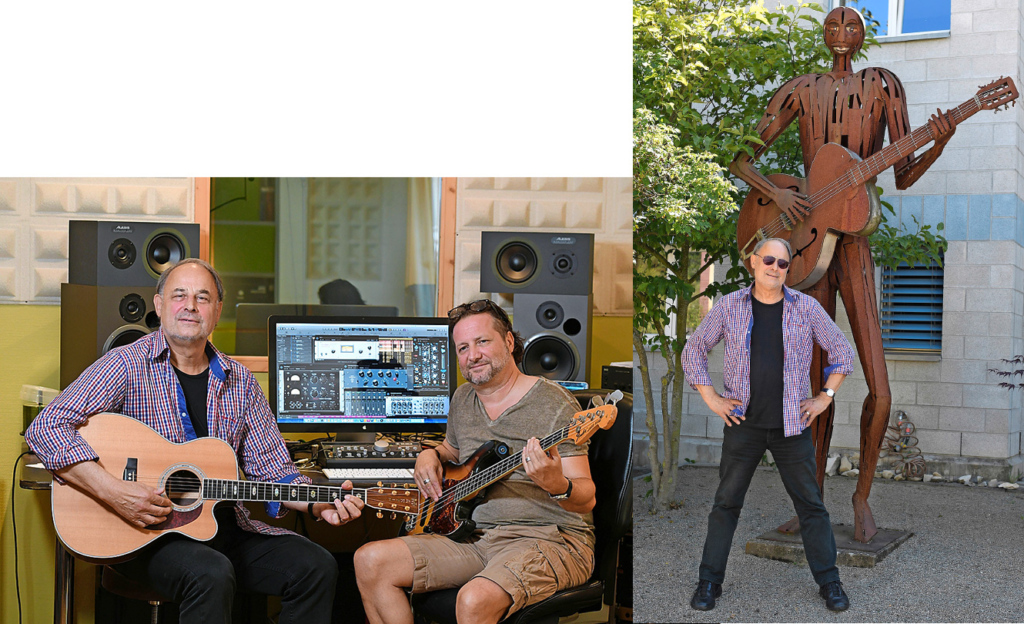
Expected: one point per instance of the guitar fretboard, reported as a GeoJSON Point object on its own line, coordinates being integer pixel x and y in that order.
{"type": "Point", "coordinates": [228, 490]}
{"type": "Point", "coordinates": [495, 472]}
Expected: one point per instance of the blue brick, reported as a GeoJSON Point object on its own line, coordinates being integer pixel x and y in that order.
{"type": "Point", "coordinates": [1004, 205]}
{"type": "Point", "coordinates": [1020, 222]}
{"type": "Point", "coordinates": [934, 210]}
{"type": "Point", "coordinates": [956, 217]}
{"type": "Point", "coordinates": [980, 225]}
{"type": "Point", "coordinates": [910, 209]}
{"type": "Point", "coordinates": [1004, 228]}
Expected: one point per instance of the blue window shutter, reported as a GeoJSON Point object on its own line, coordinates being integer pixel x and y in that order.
{"type": "Point", "coordinates": [912, 308]}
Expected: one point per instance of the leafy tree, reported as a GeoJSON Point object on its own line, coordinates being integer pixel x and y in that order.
{"type": "Point", "coordinates": [703, 72]}
{"type": "Point", "coordinates": [680, 199]}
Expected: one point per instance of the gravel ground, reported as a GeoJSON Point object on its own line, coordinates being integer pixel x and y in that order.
{"type": "Point", "coordinates": [963, 564]}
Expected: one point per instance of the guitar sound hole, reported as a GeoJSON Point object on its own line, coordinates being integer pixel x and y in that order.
{"type": "Point", "coordinates": [183, 488]}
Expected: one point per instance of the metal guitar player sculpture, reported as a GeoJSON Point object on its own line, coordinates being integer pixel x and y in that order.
{"type": "Point", "coordinates": [842, 117]}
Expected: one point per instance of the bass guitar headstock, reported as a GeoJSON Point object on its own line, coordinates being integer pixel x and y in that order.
{"type": "Point", "coordinates": [585, 423]}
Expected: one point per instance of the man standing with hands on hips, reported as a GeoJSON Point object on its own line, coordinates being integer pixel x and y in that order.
{"type": "Point", "coordinates": [769, 331]}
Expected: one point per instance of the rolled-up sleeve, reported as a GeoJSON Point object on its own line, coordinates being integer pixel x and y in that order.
{"type": "Point", "coordinates": [695, 353]}
{"type": "Point", "coordinates": [828, 335]}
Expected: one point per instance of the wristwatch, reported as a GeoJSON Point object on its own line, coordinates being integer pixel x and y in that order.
{"type": "Point", "coordinates": [566, 494]}
{"type": "Point", "coordinates": [830, 393]}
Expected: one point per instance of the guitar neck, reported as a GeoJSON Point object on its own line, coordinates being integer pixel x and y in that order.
{"type": "Point", "coordinates": [231, 490]}
{"type": "Point", "coordinates": [476, 482]}
{"type": "Point", "coordinates": [894, 152]}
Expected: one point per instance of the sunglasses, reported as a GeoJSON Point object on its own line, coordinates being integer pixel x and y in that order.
{"type": "Point", "coordinates": [475, 307]}
{"type": "Point", "coordinates": [770, 260]}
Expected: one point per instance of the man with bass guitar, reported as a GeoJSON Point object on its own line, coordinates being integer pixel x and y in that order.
{"type": "Point", "coordinates": [176, 382]}
{"type": "Point", "coordinates": [534, 529]}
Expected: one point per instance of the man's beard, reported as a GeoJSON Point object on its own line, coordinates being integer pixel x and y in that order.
{"type": "Point", "coordinates": [494, 367]}
{"type": "Point", "coordinates": [199, 337]}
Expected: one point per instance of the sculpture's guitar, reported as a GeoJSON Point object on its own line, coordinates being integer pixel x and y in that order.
{"type": "Point", "coordinates": [842, 193]}
{"type": "Point", "coordinates": [195, 475]}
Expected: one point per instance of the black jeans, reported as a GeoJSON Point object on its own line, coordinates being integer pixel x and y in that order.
{"type": "Point", "coordinates": [202, 576]}
{"type": "Point", "coordinates": [742, 449]}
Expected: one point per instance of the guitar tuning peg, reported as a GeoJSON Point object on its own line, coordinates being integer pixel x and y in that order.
{"type": "Point", "coordinates": [394, 516]}
{"type": "Point", "coordinates": [379, 515]}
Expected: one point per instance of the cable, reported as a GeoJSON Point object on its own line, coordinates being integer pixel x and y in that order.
{"type": "Point", "coordinates": [14, 524]}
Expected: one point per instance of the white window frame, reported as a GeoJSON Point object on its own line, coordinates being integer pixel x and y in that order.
{"type": "Point", "coordinates": [896, 25]}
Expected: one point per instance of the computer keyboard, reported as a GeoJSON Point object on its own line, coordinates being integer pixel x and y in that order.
{"type": "Point", "coordinates": [376, 473]}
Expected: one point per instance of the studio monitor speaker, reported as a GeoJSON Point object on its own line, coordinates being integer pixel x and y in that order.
{"type": "Point", "coordinates": [536, 262]}
{"type": "Point", "coordinates": [122, 253]}
{"type": "Point", "coordinates": [95, 319]}
{"type": "Point", "coordinates": [556, 330]}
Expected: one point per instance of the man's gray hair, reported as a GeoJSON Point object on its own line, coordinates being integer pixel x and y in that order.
{"type": "Point", "coordinates": [203, 263]}
{"type": "Point", "coordinates": [764, 242]}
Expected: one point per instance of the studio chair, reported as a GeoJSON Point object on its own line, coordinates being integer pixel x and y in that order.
{"type": "Point", "coordinates": [120, 585]}
{"type": "Point", "coordinates": [610, 463]}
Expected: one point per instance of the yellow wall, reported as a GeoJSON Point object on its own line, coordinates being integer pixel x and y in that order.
{"type": "Point", "coordinates": [30, 343]}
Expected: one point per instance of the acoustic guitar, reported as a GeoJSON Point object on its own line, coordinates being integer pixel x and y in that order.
{"type": "Point", "coordinates": [842, 194]}
{"type": "Point", "coordinates": [196, 475]}
{"type": "Point", "coordinates": [463, 485]}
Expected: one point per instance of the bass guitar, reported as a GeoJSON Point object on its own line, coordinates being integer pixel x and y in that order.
{"type": "Point", "coordinates": [195, 475]}
{"type": "Point", "coordinates": [842, 194]}
{"type": "Point", "coordinates": [463, 485]}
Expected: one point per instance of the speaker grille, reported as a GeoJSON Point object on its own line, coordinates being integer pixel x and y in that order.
{"type": "Point", "coordinates": [551, 355]}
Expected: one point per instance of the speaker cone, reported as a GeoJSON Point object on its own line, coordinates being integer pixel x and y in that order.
{"type": "Point", "coordinates": [163, 251]}
{"type": "Point", "coordinates": [132, 308]}
{"type": "Point", "coordinates": [563, 264]}
{"type": "Point", "coordinates": [550, 315]}
{"type": "Point", "coordinates": [121, 253]}
{"type": "Point", "coordinates": [123, 336]}
{"type": "Point", "coordinates": [516, 263]}
{"type": "Point", "coordinates": [551, 355]}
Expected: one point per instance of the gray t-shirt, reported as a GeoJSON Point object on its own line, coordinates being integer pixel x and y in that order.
{"type": "Point", "coordinates": [546, 408]}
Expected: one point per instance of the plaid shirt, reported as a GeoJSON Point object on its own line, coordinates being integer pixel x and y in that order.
{"type": "Point", "coordinates": [138, 380]}
{"type": "Point", "coordinates": [803, 318]}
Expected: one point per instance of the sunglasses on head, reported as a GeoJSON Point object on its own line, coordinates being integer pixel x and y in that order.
{"type": "Point", "coordinates": [476, 307]}
{"type": "Point", "coordinates": [770, 260]}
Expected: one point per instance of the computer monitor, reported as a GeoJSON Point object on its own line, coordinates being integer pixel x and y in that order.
{"type": "Point", "coordinates": [361, 374]}
{"type": "Point", "coordinates": [251, 320]}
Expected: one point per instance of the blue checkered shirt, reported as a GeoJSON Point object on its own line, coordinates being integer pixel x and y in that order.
{"type": "Point", "coordinates": [804, 322]}
{"type": "Point", "coordinates": [138, 380]}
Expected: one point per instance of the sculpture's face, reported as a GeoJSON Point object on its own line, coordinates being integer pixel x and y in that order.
{"type": "Point", "coordinates": [844, 31]}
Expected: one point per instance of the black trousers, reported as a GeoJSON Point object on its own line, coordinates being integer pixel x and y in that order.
{"type": "Point", "coordinates": [202, 577]}
{"type": "Point", "coordinates": [742, 450]}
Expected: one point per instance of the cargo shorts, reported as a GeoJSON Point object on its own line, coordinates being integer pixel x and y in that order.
{"type": "Point", "coordinates": [531, 563]}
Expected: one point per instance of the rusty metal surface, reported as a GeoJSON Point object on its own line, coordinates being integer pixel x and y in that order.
{"type": "Point", "coordinates": [852, 110]}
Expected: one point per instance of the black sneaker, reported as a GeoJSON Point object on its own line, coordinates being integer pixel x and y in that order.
{"type": "Point", "coordinates": [704, 596]}
{"type": "Point", "coordinates": [835, 598]}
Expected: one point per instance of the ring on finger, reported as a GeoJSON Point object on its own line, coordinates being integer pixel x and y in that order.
{"type": "Point", "coordinates": [426, 481]}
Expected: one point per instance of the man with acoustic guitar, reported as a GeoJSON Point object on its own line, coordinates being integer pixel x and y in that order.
{"type": "Point", "coordinates": [534, 528]}
{"type": "Point", "coordinates": [176, 382]}
{"type": "Point", "coordinates": [850, 110]}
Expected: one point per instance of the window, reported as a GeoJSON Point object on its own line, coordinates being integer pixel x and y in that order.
{"type": "Point", "coordinates": [912, 309]}
{"type": "Point", "coordinates": [903, 17]}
